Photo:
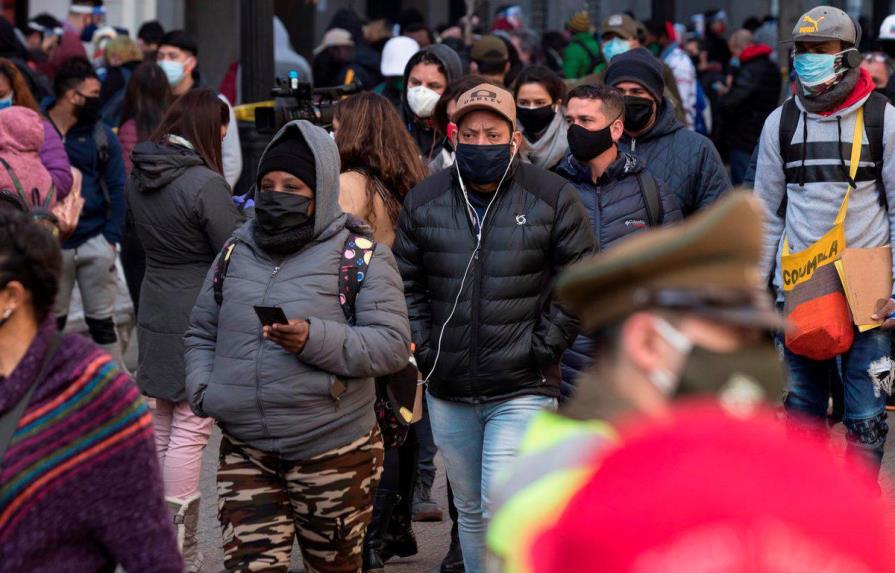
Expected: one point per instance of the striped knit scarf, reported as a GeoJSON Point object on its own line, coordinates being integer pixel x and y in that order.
{"type": "Point", "coordinates": [63, 434]}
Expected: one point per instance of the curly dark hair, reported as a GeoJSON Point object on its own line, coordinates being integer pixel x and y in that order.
{"type": "Point", "coordinates": [30, 255]}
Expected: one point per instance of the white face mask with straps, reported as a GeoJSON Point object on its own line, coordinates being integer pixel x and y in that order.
{"type": "Point", "coordinates": [480, 224]}
{"type": "Point", "coordinates": [422, 101]}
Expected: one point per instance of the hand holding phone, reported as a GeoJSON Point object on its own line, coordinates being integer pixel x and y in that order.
{"type": "Point", "coordinates": [270, 315]}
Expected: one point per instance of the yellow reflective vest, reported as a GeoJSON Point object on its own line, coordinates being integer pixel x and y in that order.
{"type": "Point", "coordinates": [555, 460]}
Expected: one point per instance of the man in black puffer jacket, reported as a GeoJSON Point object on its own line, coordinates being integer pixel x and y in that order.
{"type": "Point", "coordinates": [684, 160]}
{"type": "Point", "coordinates": [619, 194]}
{"type": "Point", "coordinates": [479, 247]}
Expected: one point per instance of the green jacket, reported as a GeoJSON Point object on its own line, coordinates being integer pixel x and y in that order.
{"type": "Point", "coordinates": [582, 56]}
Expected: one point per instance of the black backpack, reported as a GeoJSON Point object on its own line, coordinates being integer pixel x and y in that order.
{"type": "Point", "coordinates": [874, 115]}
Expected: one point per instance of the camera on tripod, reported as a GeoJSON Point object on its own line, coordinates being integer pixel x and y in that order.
{"type": "Point", "coordinates": [294, 99]}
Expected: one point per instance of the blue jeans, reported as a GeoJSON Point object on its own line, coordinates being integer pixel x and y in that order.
{"type": "Point", "coordinates": [477, 441]}
{"type": "Point", "coordinates": [427, 448]}
{"type": "Point", "coordinates": [866, 374]}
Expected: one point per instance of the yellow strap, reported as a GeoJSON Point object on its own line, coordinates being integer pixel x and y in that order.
{"type": "Point", "coordinates": [857, 142]}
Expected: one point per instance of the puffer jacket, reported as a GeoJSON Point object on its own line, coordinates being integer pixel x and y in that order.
{"type": "Point", "coordinates": [615, 203]}
{"type": "Point", "coordinates": [261, 394]}
{"type": "Point", "coordinates": [616, 207]}
{"type": "Point", "coordinates": [21, 138]}
{"type": "Point", "coordinates": [684, 160]}
{"type": "Point", "coordinates": [508, 333]}
{"type": "Point", "coordinates": [182, 214]}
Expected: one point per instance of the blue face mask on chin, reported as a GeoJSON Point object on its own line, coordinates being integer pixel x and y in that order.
{"type": "Point", "coordinates": [6, 102]}
{"type": "Point", "coordinates": [614, 47]}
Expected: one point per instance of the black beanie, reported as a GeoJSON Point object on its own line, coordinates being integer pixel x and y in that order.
{"type": "Point", "coordinates": [638, 66]}
{"type": "Point", "coordinates": [291, 154]}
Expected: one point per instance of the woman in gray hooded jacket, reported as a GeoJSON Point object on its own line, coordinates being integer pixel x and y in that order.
{"type": "Point", "coordinates": [301, 451]}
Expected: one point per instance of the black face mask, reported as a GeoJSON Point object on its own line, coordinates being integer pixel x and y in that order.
{"type": "Point", "coordinates": [89, 112]}
{"type": "Point", "coordinates": [638, 113]}
{"type": "Point", "coordinates": [483, 164]}
{"type": "Point", "coordinates": [281, 212]}
{"type": "Point", "coordinates": [535, 120]}
{"type": "Point", "coordinates": [585, 144]}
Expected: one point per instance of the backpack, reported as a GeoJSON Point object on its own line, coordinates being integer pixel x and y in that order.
{"type": "Point", "coordinates": [40, 211]}
{"type": "Point", "coordinates": [356, 256]}
{"type": "Point", "coordinates": [101, 141]}
{"type": "Point", "coordinates": [874, 114]}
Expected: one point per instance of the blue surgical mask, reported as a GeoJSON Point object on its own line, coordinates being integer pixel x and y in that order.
{"type": "Point", "coordinates": [6, 102]}
{"type": "Point", "coordinates": [816, 69]}
{"type": "Point", "coordinates": [734, 62]}
{"type": "Point", "coordinates": [173, 70]}
{"type": "Point", "coordinates": [614, 47]}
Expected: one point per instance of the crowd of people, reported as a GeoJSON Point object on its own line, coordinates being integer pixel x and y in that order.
{"type": "Point", "coordinates": [519, 251]}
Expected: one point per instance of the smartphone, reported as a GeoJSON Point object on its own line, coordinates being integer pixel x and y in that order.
{"type": "Point", "coordinates": [270, 315]}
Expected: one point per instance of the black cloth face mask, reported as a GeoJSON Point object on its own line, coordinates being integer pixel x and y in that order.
{"type": "Point", "coordinates": [281, 212]}
{"type": "Point", "coordinates": [535, 119]}
{"type": "Point", "coordinates": [586, 145]}
{"type": "Point", "coordinates": [89, 112]}
{"type": "Point", "coordinates": [483, 164]}
{"type": "Point", "coordinates": [638, 112]}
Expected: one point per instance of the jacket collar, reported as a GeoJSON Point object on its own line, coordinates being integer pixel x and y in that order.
{"type": "Point", "coordinates": [579, 173]}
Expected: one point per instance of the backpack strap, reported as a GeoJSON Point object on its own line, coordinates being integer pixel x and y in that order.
{"type": "Point", "coordinates": [101, 141]}
{"type": "Point", "coordinates": [220, 269]}
{"type": "Point", "coordinates": [789, 119]}
{"type": "Point", "coordinates": [15, 181]}
{"type": "Point", "coordinates": [874, 119]}
{"type": "Point", "coordinates": [594, 59]}
{"type": "Point", "coordinates": [651, 199]}
{"type": "Point", "coordinates": [874, 116]}
{"type": "Point", "coordinates": [353, 266]}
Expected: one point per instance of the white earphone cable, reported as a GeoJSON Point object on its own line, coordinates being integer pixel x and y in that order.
{"type": "Point", "coordinates": [471, 212]}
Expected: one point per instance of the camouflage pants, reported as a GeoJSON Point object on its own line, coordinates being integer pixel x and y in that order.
{"type": "Point", "coordinates": [264, 502]}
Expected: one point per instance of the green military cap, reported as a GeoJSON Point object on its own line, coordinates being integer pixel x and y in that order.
{"type": "Point", "coordinates": [706, 265]}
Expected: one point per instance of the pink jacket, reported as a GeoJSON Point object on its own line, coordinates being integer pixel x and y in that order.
{"type": "Point", "coordinates": [21, 137]}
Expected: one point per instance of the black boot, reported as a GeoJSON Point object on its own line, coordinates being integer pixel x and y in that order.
{"type": "Point", "coordinates": [453, 561]}
{"type": "Point", "coordinates": [400, 539]}
{"type": "Point", "coordinates": [383, 505]}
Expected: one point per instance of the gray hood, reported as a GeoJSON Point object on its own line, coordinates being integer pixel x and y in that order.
{"type": "Point", "coordinates": [327, 165]}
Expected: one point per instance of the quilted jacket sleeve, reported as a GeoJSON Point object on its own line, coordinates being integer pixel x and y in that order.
{"type": "Point", "coordinates": [410, 262]}
{"type": "Point", "coordinates": [712, 177]}
{"type": "Point", "coordinates": [572, 241]}
{"type": "Point", "coordinates": [200, 342]}
{"type": "Point", "coordinates": [379, 342]}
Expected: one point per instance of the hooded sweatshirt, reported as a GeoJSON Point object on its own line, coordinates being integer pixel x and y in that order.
{"type": "Point", "coordinates": [183, 215]}
{"type": "Point", "coordinates": [421, 130]}
{"type": "Point", "coordinates": [684, 160]}
{"type": "Point", "coordinates": [812, 209]}
{"type": "Point", "coordinates": [289, 404]}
